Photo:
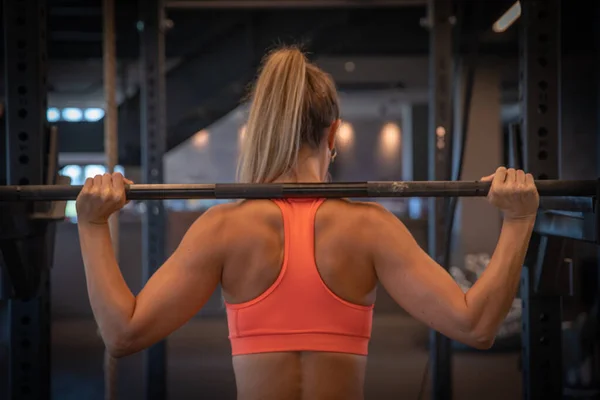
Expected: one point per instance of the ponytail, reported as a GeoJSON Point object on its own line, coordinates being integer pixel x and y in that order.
{"type": "Point", "coordinates": [288, 96]}
{"type": "Point", "coordinates": [272, 139]}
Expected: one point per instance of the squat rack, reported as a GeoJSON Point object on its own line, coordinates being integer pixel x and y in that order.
{"type": "Point", "coordinates": [539, 85]}
{"type": "Point", "coordinates": [540, 93]}
{"type": "Point", "coordinates": [25, 368]}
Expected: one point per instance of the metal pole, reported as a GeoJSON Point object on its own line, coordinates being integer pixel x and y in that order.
{"type": "Point", "coordinates": [571, 194]}
{"type": "Point", "coordinates": [153, 140]}
{"type": "Point", "coordinates": [440, 125]}
{"type": "Point", "coordinates": [565, 195]}
{"type": "Point", "coordinates": [111, 153]}
{"type": "Point", "coordinates": [27, 321]}
{"type": "Point", "coordinates": [540, 94]}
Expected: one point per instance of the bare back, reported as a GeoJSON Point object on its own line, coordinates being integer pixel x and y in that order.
{"type": "Point", "coordinates": [253, 263]}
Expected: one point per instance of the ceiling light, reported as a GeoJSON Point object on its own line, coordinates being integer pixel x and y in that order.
{"type": "Point", "coordinates": [73, 172]}
{"type": "Point", "coordinates": [508, 18]}
{"type": "Point", "coordinates": [92, 170]}
{"type": "Point", "coordinates": [53, 114]}
{"type": "Point", "coordinates": [389, 140]}
{"type": "Point", "coordinates": [72, 114]}
{"type": "Point", "coordinates": [390, 135]}
{"type": "Point", "coordinates": [93, 114]}
{"type": "Point", "coordinates": [200, 139]}
{"type": "Point", "coordinates": [345, 135]}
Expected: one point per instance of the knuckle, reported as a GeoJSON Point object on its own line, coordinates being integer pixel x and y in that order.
{"type": "Point", "coordinates": [105, 194]}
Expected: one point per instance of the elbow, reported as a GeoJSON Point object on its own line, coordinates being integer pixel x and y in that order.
{"type": "Point", "coordinates": [478, 337]}
{"type": "Point", "coordinates": [481, 339]}
{"type": "Point", "coordinates": [483, 342]}
{"type": "Point", "coordinates": [120, 345]}
{"type": "Point", "coordinates": [118, 351]}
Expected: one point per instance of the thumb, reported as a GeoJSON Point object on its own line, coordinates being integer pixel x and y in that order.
{"type": "Point", "coordinates": [128, 182]}
{"type": "Point", "coordinates": [488, 178]}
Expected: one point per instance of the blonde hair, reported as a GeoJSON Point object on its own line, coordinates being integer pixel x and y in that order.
{"type": "Point", "coordinates": [292, 102]}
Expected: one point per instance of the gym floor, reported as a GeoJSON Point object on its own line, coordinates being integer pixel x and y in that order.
{"type": "Point", "coordinates": [199, 364]}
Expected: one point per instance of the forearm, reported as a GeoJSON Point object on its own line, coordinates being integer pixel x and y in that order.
{"type": "Point", "coordinates": [490, 298]}
{"type": "Point", "coordinates": [111, 299]}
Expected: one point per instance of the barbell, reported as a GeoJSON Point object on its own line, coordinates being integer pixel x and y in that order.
{"type": "Point", "coordinates": [569, 189]}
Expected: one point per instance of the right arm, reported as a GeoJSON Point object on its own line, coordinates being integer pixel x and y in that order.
{"type": "Point", "coordinates": [425, 290]}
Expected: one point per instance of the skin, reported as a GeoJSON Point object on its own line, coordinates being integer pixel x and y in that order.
{"type": "Point", "coordinates": [241, 246]}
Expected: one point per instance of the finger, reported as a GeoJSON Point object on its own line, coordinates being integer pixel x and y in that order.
{"type": "Point", "coordinates": [118, 186]}
{"type": "Point", "coordinates": [500, 175]}
{"type": "Point", "coordinates": [127, 182]}
{"type": "Point", "coordinates": [118, 182]}
{"type": "Point", "coordinates": [87, 185]}
{"type": "Point", "coordinates": [85, 190]}
{"type": "Point", "coordinates": [488, 178]}
{"type": "Point", "coordinates": [511, 176]}
{"type": "Point", "coordinates": [106, 189]}
{"type": "Point", "coordinates": [107, 182]}
{"type": "Point", "coordinates": [97, 183]}
{"type": "Point", "coordinates": [529, 180]}
{"type": "Point", "coordinates": [520, 177]}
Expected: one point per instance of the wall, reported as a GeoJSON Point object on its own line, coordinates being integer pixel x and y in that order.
{"type": "Point", "coordinates": [478, 223]}
{"type": "Point", "coordinates": [365, 159]}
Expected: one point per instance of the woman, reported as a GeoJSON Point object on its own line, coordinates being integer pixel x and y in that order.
{"type": "Point", "coordinates": [298, 275]}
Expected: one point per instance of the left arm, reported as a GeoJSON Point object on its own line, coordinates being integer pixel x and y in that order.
{"type": "Point", "coordinates": [173, 295]}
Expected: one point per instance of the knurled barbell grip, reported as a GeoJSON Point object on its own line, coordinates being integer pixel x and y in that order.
{"type": "Point", "coordinates": [254, 191]}
{"type": "Point", "coordinates": [427, 189]}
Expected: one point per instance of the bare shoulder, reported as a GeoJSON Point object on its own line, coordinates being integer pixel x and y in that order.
{"type": "Point", "coordinates": [219, 215]}
{"type": "Point", "coordinates": [359, 211]}
{"type": "Point", "coordinates": [241, 219]}
{"type": "Point", "coordinates": [211, 222]}
{"type": "Point", "coordinates": [362, 222]}
{"type": "Point", "coordinates": [249, 215]}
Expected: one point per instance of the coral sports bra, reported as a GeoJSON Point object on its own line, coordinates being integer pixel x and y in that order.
{"type": "Point", "coordinates": [299, 312]}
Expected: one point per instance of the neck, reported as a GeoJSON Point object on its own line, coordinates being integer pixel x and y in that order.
{"type": "Point", "coordinates": [309, 169]}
